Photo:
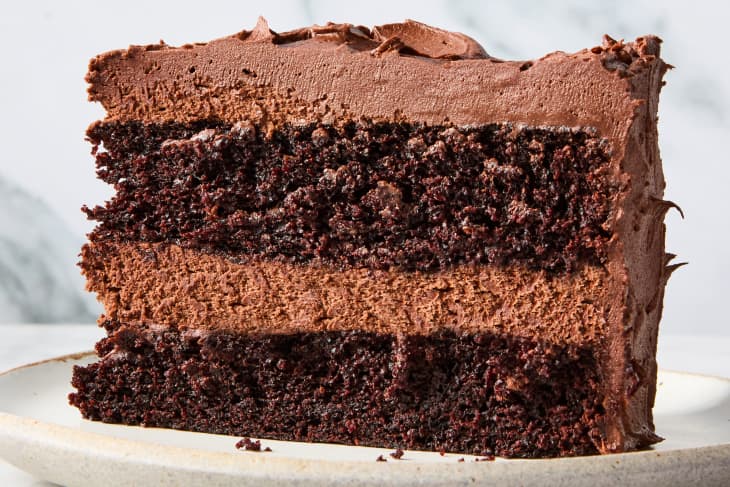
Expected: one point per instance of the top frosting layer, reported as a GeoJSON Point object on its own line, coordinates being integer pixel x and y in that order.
{"type": "Point", "coordinates": [409, 37]}
{"type": "Point", "coordinates": [405, 71]}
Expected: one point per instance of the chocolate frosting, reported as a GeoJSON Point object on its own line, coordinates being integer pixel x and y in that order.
{"type": "Point", "coordinates": [396, 71]}
{"type": "Point", "coordinates": [409, 71]}
{"type": "Point", "coordinates": [424, 40]}
{"type": "Point", "coordinates": [407, 38]}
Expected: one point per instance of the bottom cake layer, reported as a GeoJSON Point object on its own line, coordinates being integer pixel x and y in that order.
{"type": "Point", "coordinates": [467, 393]}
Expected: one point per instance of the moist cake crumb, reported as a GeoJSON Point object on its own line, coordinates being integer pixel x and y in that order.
{"type": "Point", "coordinates": [495, 193]}
{"type": "Point", "coordinates": [397, 454]}
{"type": "Point", "coordinates": [550, 405]}
{"type": "Point", "coordinates": [249, 445]}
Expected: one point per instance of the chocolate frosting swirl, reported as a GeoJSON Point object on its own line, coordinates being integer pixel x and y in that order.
{"type": "Point", "coordinates": [424, 40]}
{"type": "Point", "coordinates": [406, 38]}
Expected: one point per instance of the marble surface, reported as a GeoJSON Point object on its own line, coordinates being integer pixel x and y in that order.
{"type": "Point", "coordinates": [22, 344]}
{"type": "Point", "coordinates": [39, 281]}
{"type": "Point", "coordinates": [45, 113]}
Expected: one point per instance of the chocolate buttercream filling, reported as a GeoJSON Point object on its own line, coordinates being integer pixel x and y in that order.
{"type": "Point", "coordinates": [189, 289]}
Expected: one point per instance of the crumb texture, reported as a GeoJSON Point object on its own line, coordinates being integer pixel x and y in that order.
{"type": "Point", "coordinates": [362, 194]}
{"type": "Point", "coordinates": [469, 393]}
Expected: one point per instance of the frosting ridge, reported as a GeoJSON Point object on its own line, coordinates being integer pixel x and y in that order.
{"type": "Point", "coordinates": [408, 38]}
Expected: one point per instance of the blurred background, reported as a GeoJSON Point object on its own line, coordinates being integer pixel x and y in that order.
{"type": "Point", "coordinates": [46, 172]}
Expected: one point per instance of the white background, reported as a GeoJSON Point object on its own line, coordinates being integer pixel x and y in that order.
{"type": "Point", "coordinates": [44, 113]}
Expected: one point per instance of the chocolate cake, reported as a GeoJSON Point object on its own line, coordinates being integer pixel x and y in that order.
{"type": "Point", "coordinates": [379, 237]}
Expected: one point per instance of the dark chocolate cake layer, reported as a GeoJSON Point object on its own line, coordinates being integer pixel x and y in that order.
{"type": "Point", "coordinates": [469, 393]}
{"type": "Point", "coordinates": [363, 194]}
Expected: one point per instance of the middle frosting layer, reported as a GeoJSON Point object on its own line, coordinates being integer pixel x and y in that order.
{"type": "Point", "coordinates": [377, 195]}
{"type": "Point", "coordinates": [189, 289]}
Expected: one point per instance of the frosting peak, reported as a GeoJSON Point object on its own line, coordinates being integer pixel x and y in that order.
{"type": "Point", "coordinates": [408, 38]}
{"type": "Point", "coordinates": [431, 42]}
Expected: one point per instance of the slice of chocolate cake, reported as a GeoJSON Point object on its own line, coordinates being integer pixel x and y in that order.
{"type": "Point", "coordinates": [379, 237]}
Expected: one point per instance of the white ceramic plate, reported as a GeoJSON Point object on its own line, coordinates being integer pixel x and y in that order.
{"type": "Point", "coordinates": [42, 434]}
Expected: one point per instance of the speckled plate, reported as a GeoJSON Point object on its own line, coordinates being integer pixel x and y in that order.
{"type": "Point", "coordinates": [42, 434]}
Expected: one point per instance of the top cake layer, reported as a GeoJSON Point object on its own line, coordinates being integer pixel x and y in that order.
{"type": "Point", "coordinates": [406, 71]}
